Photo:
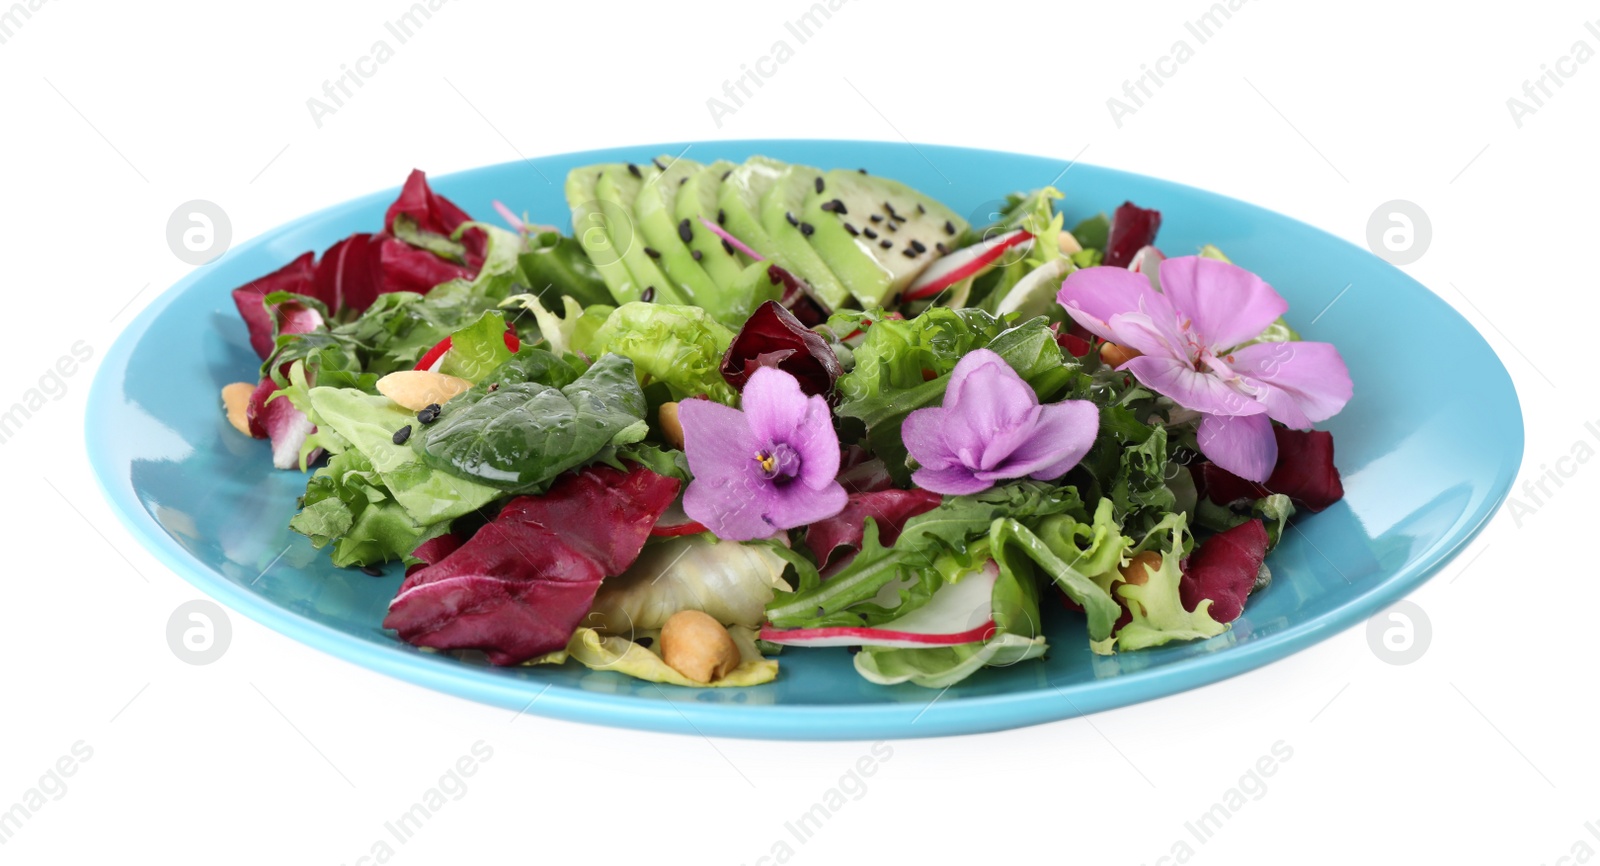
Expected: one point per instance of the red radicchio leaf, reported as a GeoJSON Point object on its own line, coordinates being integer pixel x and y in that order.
{"type": "Point", "coordinates": [1305, 473]}
{"type": "Point", "coordinates": [523, 583]}
{"type": "Point", "coordinates": [860, 472]}
{"type": "Point", "coordinates": [294, 277]}
{"type": "Point", "coordinates": [1132, 228]}
{"type": "Point", "coordinates": [773, 337]}
{"type": "Point", "coordinates": [1223, 569]}
{"type": "Point", "coordinates": [281, 422]}
{"type": "Point", "coordinates": [433, 550]}
{"type": "Point", "coordinates": [435, 213]}
{"type": "Point", "coordinates": [400, 267]}
{"type": "Point", "coordinates": [889, 509]}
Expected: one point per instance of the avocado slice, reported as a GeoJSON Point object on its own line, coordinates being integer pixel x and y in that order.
{"type": "Point", "coordinates": [696, 200]}
{"type": "Point", "coordinates": [663, 232]}
{"type": "Point", "coordinates": [782, 208]}
{"type": "Point", "coordinates": [619, 186]}
{"type": "Point", "coordinates": [739, 202]}
{"type": "Point", "coordinates": [590, 221]}
{"type": "Point", "coordinates": [876, 234]}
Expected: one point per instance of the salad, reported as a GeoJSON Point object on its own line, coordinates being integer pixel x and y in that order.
{"type": "Point", "coordinates": [743, 408]}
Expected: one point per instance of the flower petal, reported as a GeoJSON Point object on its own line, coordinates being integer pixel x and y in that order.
{"type": "Point", "coordinates": [1059, 440]}
{"type": "Point", "coordinates": [1092, 296]}
{"type": "Point", "coordinates": [1241, 444]}
{"type": "Point", "coordinates": [773, 404]}
{"type": "Point", "coordinates": [817, 444]}
{"type": "Point", "coordinates": [1202, 392]}
{"type": "Point", "coordinates": [726, 494]}
{"type": "Point", "coordinates": [992, 399]}
{"type": "Point", "coordinates": [923, 434]}
{"type": "Point", "coordinates": [1227, 304]}
{"type": "Point", "coordinates": [797, 505]}
{"type": "Point", "coordinates": [1300, 383]}
{"type": "Point", "coordinates": [951, 481]}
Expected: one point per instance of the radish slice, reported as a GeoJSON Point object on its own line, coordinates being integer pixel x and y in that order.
{"type": "Point", "coordinates": [431, 359]}
{"type": "Point", "coordinates": [1147, 261]}
{"type": "Point", "coordinates": [737, 244]}
{"type": "Point", "coordinates": [1035, 293]}
{"type": "Point", "coordinates": [958, 613]}
{"type": "Point", "coordinates": [965, 262]}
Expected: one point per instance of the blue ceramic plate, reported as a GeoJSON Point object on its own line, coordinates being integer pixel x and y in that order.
{"type": "Point", "coordinates": [1428, 449]}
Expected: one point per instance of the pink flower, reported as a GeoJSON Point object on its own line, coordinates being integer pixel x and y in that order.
{"type": "Point", "coordinates": [1187, 335]}
{"type": "Point", "coordinates": [991, 428]}
{"type": "Point", "coordinates": [769, 467]}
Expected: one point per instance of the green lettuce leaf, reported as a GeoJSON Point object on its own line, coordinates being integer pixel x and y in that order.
{"type": "Point", "coordinates": [368, 423]}
{"type": "Point", "coordinates": [478, 349]}
{"type": "Point", "coordinates": [1157, 608]}
{"type": "Point", "coordinates": [882, 583]}
{"type": "Point", "coordinates": [347, 505]}
{"type": "Point", "coordinates": [681, 346]}
{"type": "Point", "coordinates": [519, 436]}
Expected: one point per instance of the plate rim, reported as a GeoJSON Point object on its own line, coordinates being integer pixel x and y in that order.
{"type": "Point", "coordinates": [849, 721]}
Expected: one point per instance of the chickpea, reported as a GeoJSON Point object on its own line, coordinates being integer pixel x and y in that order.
{"type": "Point", "coordinates": [1116, 355]}
{"type": "Point", "coordinates": [671, 427]}
{"type": "Point", "coordinates": [696, 645]}
{"type": "Point", "coordinates": [1137, 571]}
{"type": "Point", "coordinates": [236, 402]}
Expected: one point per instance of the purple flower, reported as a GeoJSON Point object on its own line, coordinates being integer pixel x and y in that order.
{"type": "Point", "coordinates": [763, 469]}
{"type": "Point", "coordinates": [1186, 334]}
{"type": "Point", "coordinates": [991, 427]}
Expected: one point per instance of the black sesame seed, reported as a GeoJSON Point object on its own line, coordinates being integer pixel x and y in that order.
{"type": "Point", "coordinates": [851, 229]}
{"type": "Point", "coordinates": [722, 216]}
{"type": "Point", "coordinates": [806, 229]}
{"type": "Point", "coordinates": [684, 231]}
{"type": "Point", "coordinates": [877, 217]}
{"type": "Point", "coordinates": [634, 170]}
{"type": "Point", "coordinates": [917, 245]}
{"type": "Point", "coordinates": [836, 206]}
{"type": "Point", "coordinates": [682, 181]}
{"type": "Point", "coordinates": [909, 253]}
{"type": "Point", "coordinates": [949, 228]}
{"type": "Point", "coordinates": [656, 161]}
{"type": "Point", "coordinates": [695, 254]}
{"type": "Point", "coordinates": [429, 413]}
{"type": "Point", "coordinates": [648, 295]}
{"type": "Point", "coordinates": [943, 250]}
{"type": "Point", "coordinates": [652, 253]}
{"type": "Point", "coordinates": [920, 208]}
{"type": "Point", "coordinates": [891, 225]}
{"type": "Point", "coordinates": [888, 208]}
{"type": "Point", "coordinates": [401, 435]}
{"type": "Point", "coordinates": [897, 218]}
{"type": "Point", "coordinates": [871, 235]}
{"type": "Point", "coordinates": [821, 610]}
{"type": "Point", "coordinates": [862, 170]}
{"type": "Point", "coordinates": [818, 184]}
{"type": "Point", "coordinates": [886, 243]}
{"type": "Point", "coordinates": [371, 571]}
{"type": "Point", "coordinates": [645, 642]}
{"type": "Point", "coordinates": [726, 173]}
{"type": "Point", "coordinates": [790, 217]}
{"type": "Point", "coordinates": [727, 246]}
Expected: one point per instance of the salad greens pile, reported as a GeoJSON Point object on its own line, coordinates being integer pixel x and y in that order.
{"type": "Point", "coordinates": [566, 439]}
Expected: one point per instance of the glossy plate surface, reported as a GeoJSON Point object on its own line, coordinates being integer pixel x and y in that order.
{"type": "Point", "coordinates": [1428, 448]}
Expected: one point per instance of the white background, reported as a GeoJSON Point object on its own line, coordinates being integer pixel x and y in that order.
{"type": "Point", "coordinates": [1482, 751]}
